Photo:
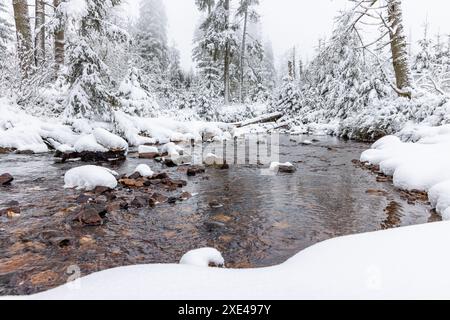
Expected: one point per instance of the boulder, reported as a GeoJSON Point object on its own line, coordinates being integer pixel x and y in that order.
{"type": "Point", "coordinates": [92, 214]}
{"type": "Point", "coordinates": [194, 170]}
{"type": "Point", "coordinates": [6, 179]}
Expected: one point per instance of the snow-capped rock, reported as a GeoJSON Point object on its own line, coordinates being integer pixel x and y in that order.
{"type": "Point", "coordinates": [286, 167]}
{"type": "Point", "coordinates": [204, 257]}
{"type": "Point", "coordinates": [144, 170]}
{"type": "Point", "coordinates": [90, 177]}
{"type": "Point", "coordinates": [211, 160]}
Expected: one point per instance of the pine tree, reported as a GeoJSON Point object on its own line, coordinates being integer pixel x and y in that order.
{"type": "Point", "coordinates": [219, 40]}
{"type": "Point", "coordinates": [151, 37]}
{"type": "Point", "coordinates": [135, 97]}
{"type": "Point", "coordinates": [423, 59]}
{"type": "Point", "coordinates": [269, 73]}
{"type": "Point", "coordinates": [6, 30]}
{"type": "Point", "coordinates": [91, 93]}
{"type": "Point", "coordinates": [246, 12]}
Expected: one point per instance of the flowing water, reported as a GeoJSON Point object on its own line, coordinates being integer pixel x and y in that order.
{"type": "Point", "coordinates": [261, 221]}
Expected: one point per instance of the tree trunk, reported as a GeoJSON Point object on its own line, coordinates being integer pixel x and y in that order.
{"type": "Point", "coordinates": [399, 48]}
{"type": "Point", "coordinates": [226, 74]}
{"type": "Point", "coordinates": [39, 45]}
{"type": "Point", "coordinates": [24, 37]}
{"type": "Point", "coordinates": [59, 42]}
{"type": "Point", "coordinates": [243, 50]}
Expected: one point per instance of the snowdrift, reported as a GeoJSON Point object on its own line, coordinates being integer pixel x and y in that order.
{"type": "Point", "coordinates": [421, 161]}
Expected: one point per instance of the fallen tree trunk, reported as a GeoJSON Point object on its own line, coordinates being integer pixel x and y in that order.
{"type": "Point", "coordinates": [272, 117]}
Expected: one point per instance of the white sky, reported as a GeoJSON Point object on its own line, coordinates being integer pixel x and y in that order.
{"type": "Point", "coordinates": [301, 22]}
{"type": "Point", "coordinates": [296, 22]}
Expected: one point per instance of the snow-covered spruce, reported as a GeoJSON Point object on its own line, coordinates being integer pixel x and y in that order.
{"type": "Point", "coordinates": [423, 165]}
{"type": "Point", "coordinates": [90, 177]}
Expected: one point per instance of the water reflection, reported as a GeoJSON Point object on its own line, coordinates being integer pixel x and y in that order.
{"type": "Point", "coordinates": [261, 220]}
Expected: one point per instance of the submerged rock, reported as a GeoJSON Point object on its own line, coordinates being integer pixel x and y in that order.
{"type": "Point", "coordinates": [194, 170]}
{"type": "Point", "coordinates": [140, 202]}
{"type": "Point", "coordinates": [148, 152]}
{"type": "Point", "coordinates": [92, 214]}
{"type": "Point", "coordinates": [6, 179]}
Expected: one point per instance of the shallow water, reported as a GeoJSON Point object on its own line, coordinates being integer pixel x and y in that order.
{"type": "Point", "coordinates": [263, 221]}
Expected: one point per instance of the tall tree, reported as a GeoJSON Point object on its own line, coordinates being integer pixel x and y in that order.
{"type": "Point", "coordinates": [24, 36]}
{"type": "Point", "coordinates": [227, 53]}
{"type": "Point", "coordinates": [245, 11]}
{"type": "Point", "coordinates": [59, 36]}
{"type": "Point", "coordinates": [91, 93]}
{"type": "Point", "coordinates": [39, 32]}
{"type": "Point", "coordinates": [6, 29]}
{"type": "Point", "coordinates": [151, 36]}
{"type": "Point", "coordinates": [399, 47]}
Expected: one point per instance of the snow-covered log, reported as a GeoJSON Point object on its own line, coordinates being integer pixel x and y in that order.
{"type": "Point", "coordinates": [271, 117]}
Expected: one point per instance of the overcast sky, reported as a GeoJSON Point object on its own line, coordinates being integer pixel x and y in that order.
{"type": "Point", "coordinates": [298, 22]}
{"type": "Point", "coordinates": [301, 22]}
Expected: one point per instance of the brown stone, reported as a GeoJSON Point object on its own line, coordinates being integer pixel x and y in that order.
{"type": "Point", "coordinates": [150, 155]}
{"type": "Point", "coordinates": [185, 196]}
{"type": "Point", "coordinates": [140, 202]}
{"type": "Point", "coordinates": [159, 198]}
{"type": "Point", "coordinates": [6, 179]}
{"type": "Point", "coordinates": [101, 190]}
{"type": "Point", "coordinates": [87, 241]}
{"type": "Point", "coordinates": [43, 278]}
{"type": "Point", "coordinates": [91, 215]}
{"type": "Point", "coordinates": [194, 170]}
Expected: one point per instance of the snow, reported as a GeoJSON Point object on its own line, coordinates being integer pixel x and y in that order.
{"type": "Point", "coordinates": [23, 139]}
{"type": "Point", "coordinates": [109, 140]}
{"type": "Point", "coordinates": [90, 177]}
{"type": "Point", "coordinates": [147, 149]}
{"type": "Point", "coordinates": [144, 170]}
{"type": "Point", "coordinates": [423, 165]}
{"type": "Point", "coordinates": [172, 149]}
{"type": "Point", "coordinates": [381, 265]}
{"type": "Point", "coordinates": [275, 166]}
{"type": "Point", "coordinates": [203, 258]}
{"type": "Point", "coordinates": [211, 159]}
{"type": "Point", "coordinates": [90, 144]}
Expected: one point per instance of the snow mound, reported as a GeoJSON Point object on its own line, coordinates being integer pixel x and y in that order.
{"type": "Point", "coordinates": [211, 160]}
{"type": "Point", "coordinates": [203, 258]}
{"type": "Point", "coordinates": [275, 166]}
{"type": "Point", "coordinates": [422, 165]}
{"type": "Point", "coordinates": [109, 140]}
{"type": "Point", "coordinates": [147, 149]}
{"type": "Point", "coordinates": [23, 139]}
{"type": "Point", "coordinates": [90, 177]}
{"type": "Point", "coordinates": [89, 144]}
{"type": "Point", "coordinates": [144, 170]}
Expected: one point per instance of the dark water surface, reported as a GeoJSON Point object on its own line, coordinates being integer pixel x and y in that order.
{"type": "Point", "coordinates": [264, 220]}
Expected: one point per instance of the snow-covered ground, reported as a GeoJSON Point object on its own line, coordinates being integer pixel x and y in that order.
{"type": "Point", "coordinates": [418, 159]}
{"type": "Point", "coordinates": [24, 132]}
{"type": "Point", "coordinates": [401, 263]}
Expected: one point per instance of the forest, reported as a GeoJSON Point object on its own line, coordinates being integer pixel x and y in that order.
{"type": "Point", "coordinates": [119, 163]}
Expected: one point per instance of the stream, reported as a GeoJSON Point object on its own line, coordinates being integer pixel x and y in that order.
{"type": "Point", "coordinates": [261, 220]}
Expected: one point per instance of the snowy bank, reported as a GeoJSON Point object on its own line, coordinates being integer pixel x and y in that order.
{"type": "Point", "coordinates": [422, 165]}
{"type": "Point", "coordinates": [23, 132]}
{"type": "Point", "coordinates": [390, 264]}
